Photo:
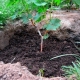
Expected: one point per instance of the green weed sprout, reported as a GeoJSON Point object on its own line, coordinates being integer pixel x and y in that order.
{"type": "Point", "coordinates": [72, 70]}
{"type": "Point", "coordinates": [41, 72]}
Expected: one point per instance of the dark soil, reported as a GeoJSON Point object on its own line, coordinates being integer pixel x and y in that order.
{"type": "Point", "coordinates": [24, 47]}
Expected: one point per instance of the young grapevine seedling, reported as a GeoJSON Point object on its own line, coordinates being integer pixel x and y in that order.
{"type": "Point", "coordinates": [52, 25]}
{"type": "Point", "coordinates": [39, 32]}
{"type": "Point", "coordinates": [25, 10]}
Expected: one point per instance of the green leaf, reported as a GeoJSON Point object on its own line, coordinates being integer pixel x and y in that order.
{"type": "Point", "coordinates": [36, 2]}
{"type": "Point", "coordinates": [38, 17]}
{"type": "Point", "coordinates": [57, 1]}
{"type": "Point", "coordinates": [40, 4]}
{"type": "Point", "coordinates": [76, 68]}
{"type": "Point", "coordinates": [77, 1]}
{"type": "Point", "coordinates": [45, 36]}
{"type": "Point", "coordinates": [63, 56]}
{"type": "Point", "coordinates": [1, 27]}
{"type": "Point", "coordinates": [53, 24]}
{"type": "Point", "coordinates": [42, 9]}
{"type": "Point", "coordinates": [14, 16]}
{"type": "Point", "coordinates": [11, 2]}
{"type": "Point", "coordinates": [26, 17]}
{"type": "Point", "coordinates": [77, 42]}
{"type": "Point", "coordinates": [30, 1]}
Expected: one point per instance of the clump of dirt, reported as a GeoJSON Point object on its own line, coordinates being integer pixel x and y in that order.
{"type": "Point", "coordinates": [17, 72]}
{"type": "Point", "coordinates": [24, 47]}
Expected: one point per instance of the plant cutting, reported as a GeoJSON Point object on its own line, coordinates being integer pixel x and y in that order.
{"type": "Point", "coordinates": [53, 24]}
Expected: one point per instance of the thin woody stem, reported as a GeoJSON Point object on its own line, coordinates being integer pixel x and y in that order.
{"type": "Point", "coordinates": [41, 44]}
{"type": "Point", "coordinates": [39, 32]}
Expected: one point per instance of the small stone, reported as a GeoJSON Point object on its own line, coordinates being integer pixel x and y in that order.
{"type": "Point", "coordinates": [1, 62]}
{"type": "Point", "coordinates": [24, 68]}
{"type": "Point", "coordinates": [20, 74]}
{"type": "Point", "coordinates": [5, 76]}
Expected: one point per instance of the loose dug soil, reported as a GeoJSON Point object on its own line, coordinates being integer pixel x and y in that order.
{"type": "Point", "coordinates": [24, 47]}
{"type": "Point", "coordinates": [17, 72]}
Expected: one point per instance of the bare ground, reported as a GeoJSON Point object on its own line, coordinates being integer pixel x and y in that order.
{"type": "Point", "coordinates": [24, 47]}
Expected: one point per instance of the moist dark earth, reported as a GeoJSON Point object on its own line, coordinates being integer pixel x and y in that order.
{"type": "Point", "coordinates": [24, 47]}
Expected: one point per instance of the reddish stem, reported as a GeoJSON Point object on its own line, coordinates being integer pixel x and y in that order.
{"type": "Point", "coordinates": [41, 46]}
{"type": "Point", "coordinates": [41, 43]}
